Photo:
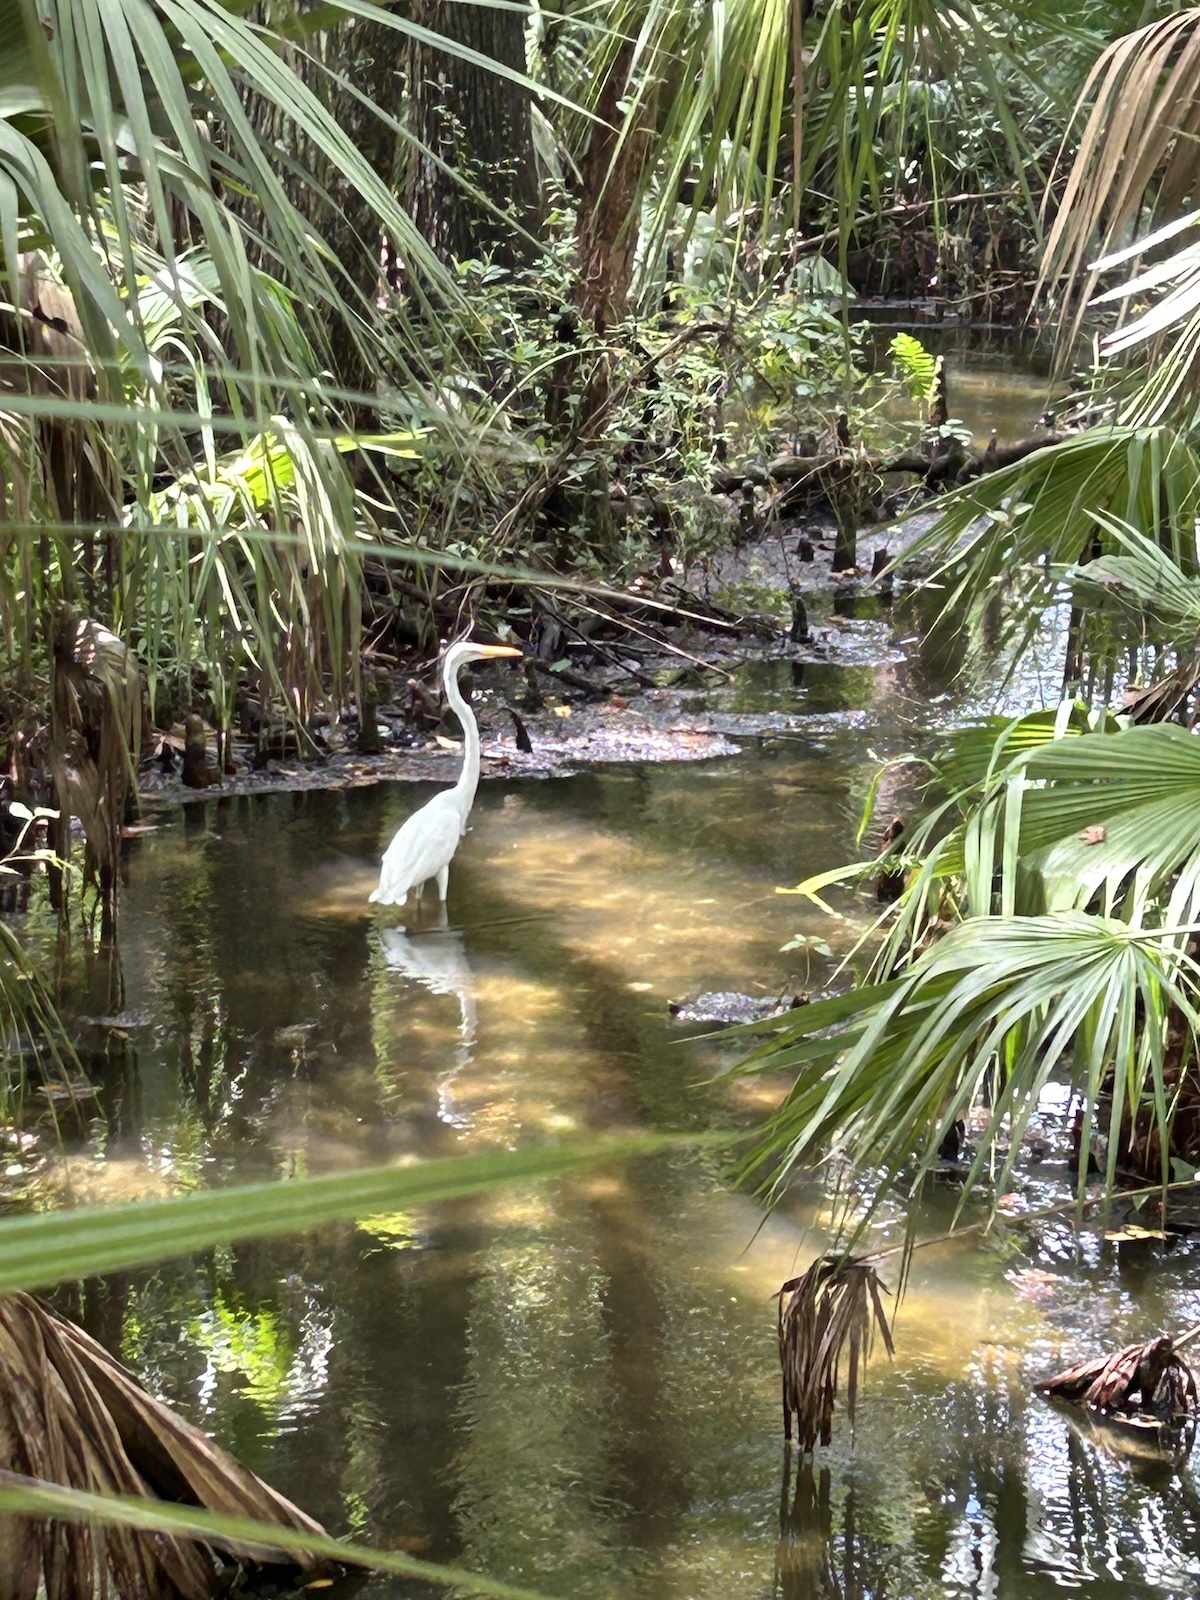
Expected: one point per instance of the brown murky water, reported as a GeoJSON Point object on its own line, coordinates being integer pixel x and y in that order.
{"type": "Point", "coordinates": [574, 1387]}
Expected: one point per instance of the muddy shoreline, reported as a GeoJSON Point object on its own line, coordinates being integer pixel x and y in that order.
{"type": "Point", "coordinates": [622, 722]}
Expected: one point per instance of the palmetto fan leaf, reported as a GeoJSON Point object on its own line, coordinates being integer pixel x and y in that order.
{"type": "Point", "coordinates": [1115, 819]}
{"type": "Point", "coordinates": [1141, 572]}
{"type": "Point", "coordinates": [993, 1010]}
{"type": "Point", "coordinates": [1107, 818]}
{"type": "Point", "coordinates": [1011, 537]}
{"type": "Point", "coordinates": [1048, 928]}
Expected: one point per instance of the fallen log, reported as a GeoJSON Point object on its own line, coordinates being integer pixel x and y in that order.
{"type": "Point", "coordinates": [933, 465]}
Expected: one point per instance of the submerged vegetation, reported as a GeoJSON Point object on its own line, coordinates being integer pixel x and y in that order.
{"type": "Point", "coordinates": [324, 332]}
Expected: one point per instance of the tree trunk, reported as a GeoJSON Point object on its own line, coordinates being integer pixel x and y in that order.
{"type": "Point", "coordinates": [477, 125]}
{"type": "Point", "coordinates": [372, 56]}
{"type": "Point", "coordinates": [612, 171]}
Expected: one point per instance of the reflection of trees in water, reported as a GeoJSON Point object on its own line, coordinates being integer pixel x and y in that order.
{"type": "Point", "coordinates": [247, 983]}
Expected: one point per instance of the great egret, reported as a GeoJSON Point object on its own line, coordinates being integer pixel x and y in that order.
{"type": "Point", "coordinates": [425, 844]}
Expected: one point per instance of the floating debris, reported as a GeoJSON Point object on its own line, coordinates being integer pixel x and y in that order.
{"type": "Point", "coordinates": [1146, 1386]}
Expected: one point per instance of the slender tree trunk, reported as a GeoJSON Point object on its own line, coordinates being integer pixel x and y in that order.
{"type": "Point", "coordinates": [612, 171]}
{"type": "Point", "coordinates": [476, 124]}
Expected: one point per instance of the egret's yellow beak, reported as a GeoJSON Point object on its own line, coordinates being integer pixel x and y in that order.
{"type": "Point", "coordinates": [496, 650]}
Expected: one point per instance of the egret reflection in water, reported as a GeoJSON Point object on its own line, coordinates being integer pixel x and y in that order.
{"type": "Point", "coordinates": [438, 961]}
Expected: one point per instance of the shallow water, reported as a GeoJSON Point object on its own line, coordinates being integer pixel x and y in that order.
{"type": "Point", "coordinates": [574, 1386]}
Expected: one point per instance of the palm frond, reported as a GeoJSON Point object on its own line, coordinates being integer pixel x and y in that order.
{"type": "Point", "coordinates": [71, 1415]}
{"type": "Point", "coordinates": [1152, 585]}
{"type": "Point", "coordinates": [55, 1247]}
{"type": "Point", "coordinates": [1003, 546]}
{"type": "Point", "coordinates": [86, 1451]}
{"type": "Point", "coordinates": [987, 1015]}
{"type": "Point", "coordinates": [828, 1314]}
{"type": "Point", "coordinates": [756, 101]}
{"type": "Point", "coordinates": [1139, 138]}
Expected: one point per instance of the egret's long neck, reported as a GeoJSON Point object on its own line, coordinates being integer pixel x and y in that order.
{"type": "Point", "coordinates": [468, 778]}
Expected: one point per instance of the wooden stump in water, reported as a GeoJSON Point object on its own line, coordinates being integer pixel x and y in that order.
{"type": "Point", "coordinates": [889, 885]}
{"type": "Point", "coordinates": [198, 773]}
{"type": "Point", "coordinates": [370, 740]}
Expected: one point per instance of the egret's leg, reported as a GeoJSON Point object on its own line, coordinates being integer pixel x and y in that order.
{"type": "Point", "coordinates": [443, 879]}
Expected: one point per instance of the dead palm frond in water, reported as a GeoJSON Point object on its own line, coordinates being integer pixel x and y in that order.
{"type": "Point", "coordinates": [70, 1415]}
{"type": "Point", "coordinates": [44, 1362]}
{"type": "Point", "coordinates": [1150, 1380]}
{"type": "Point", "coordinates": [832, 1310]}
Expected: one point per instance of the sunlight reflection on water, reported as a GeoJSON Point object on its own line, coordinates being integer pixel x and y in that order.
{"type": "Point", "coordinates": [575, 1387]}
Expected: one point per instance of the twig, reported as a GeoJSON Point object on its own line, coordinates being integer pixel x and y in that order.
{"type": "Point", "coordinates": [665, 644]}
{"type": "Point", "coordinates": [831, 235]}
{"type": "Point", "coordinates": [693, 330]}
{"type": "Point", "coordinates": [605, 654]}
{"type": "Point", "coordinates": [1035, 1216]}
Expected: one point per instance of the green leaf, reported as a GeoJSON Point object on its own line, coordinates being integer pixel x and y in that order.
{"type": "Point", "coordinates": [34, 1498]}
{"type": "Point", "coordinates": [55, 1247]}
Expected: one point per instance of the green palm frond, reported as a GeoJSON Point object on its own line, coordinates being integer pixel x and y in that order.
{"type": "Point", "coordinates": [1146, 580]}
{"type": "Point", "coordinates": [110, 1448]}
{"type": "Point", "coordinates": [1005, 544]}
{"type": "Point", "coordinates": [1048, 928]}
{"type": "Point", "coordinates": [1070, 813]}
{"type": "Point", "coordinates": [1115, 818]}
{"type": "Point", "coordinates": [990, 1014]}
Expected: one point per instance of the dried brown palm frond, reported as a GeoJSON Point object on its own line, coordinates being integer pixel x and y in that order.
{"type": "Point", "coordinates": [1151, 1378]}
{"type": "Point", "coordinates": [1139, 141]}
{"type": "Point", "coordinates": [833, 1309]}
{"type": "Point", "coordinates": [71, 1415]}
{"type": "Point", "coordinates": [95, 732]}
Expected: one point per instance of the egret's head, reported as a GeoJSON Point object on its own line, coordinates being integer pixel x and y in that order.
{"type": "Point", "coordinates": [467, 650]}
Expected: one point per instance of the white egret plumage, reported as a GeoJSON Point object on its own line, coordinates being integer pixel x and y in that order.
{"type": "Point", "coordinates": [424, 845]}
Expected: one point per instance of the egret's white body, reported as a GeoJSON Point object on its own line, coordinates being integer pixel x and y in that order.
{"type": "Point", "coordinates": [425, 844]}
